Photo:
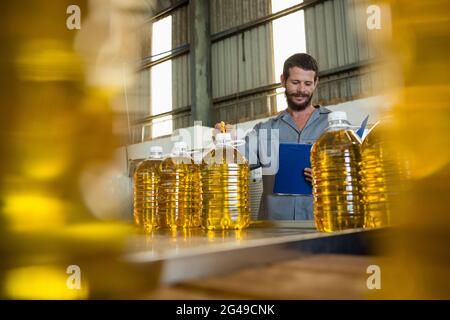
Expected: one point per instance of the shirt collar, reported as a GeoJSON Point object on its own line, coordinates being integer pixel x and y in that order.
{"type": "Point", "coordinates": [286, 117]}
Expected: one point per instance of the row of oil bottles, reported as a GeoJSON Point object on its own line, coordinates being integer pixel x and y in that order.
{"type": "Point", "coordinates": [177, 192]}
{"type": "Point", "coordinates": [354, 183]}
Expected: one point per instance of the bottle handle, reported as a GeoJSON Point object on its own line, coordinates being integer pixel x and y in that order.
{"type": "Point", "coordinates": [237, 143]}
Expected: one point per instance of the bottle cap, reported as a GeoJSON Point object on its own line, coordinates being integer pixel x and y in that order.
{"type": "Point", "coordinates": [337, 115]}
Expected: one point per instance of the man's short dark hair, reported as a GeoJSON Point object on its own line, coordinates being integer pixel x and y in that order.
{"type": "Point", "coordinates": [303, 61]}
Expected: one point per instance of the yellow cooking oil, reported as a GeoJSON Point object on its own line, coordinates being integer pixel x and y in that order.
{"type": "Point", "coordinates": [146, 190]}
{"type": "Point", "coordinates": [225, 185]}
{"type": "Point", "coordinates": [335, 163]}
{"type": "Point", "coordinates": [376, 173]}
{"type": "Point", "coordinates": [180, 190]}
{"type": "Point", "coordinates": [383, 173]}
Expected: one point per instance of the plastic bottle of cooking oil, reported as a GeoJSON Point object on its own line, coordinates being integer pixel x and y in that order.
{"type": "Point", "coordinates": [225, 184]}
{"type": "Point", "coordinates": [180, 189]}
{"type": "Point", "coordinates": [146, 185]}
{"type": "Point", "coordinates": [383, 172]}
{"type": "Point", "coordinates": [335, 162]}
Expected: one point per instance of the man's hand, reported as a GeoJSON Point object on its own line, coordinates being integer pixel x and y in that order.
{"type": "Point", "coordinates": [308, 174]}
{"type": "Point", "coordinates": [228, 128]}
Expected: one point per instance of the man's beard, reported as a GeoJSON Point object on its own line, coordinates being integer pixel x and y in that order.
{"type": "Point", "coordinates": [295, 106]}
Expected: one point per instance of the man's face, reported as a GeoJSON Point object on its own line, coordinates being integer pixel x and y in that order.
{"type": "Point", "coordinates": [300, 87]}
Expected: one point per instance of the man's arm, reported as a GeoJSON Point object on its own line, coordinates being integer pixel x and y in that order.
{"type": "Point", "coordinates": [251, 147]}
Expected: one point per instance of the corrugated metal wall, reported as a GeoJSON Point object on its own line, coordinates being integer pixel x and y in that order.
{"type": "Point", "coordinates": [138, 87]}
{"type": "Point", "coordinates": [145, 36]}
{"type": "Point", "coordinates": [180, 27]}
{"type": "Point", "coordinates": [181, 79]}
{"type": "Point", "coordinates": [181, 84]}
{"type": "Point", "coordinates": [241, 62]}
{"type": "Point", "coordinates": [226, 14]}
{"type": "Point", "coordinates": [182, 120]}
{"type": "Point", "coordinates": [336, 34]}
{"type": "Point", "coordinates": [246, 109]}
{"type": "Point", "coordinates": [181, 87]}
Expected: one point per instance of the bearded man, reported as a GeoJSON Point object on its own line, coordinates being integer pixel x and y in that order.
{"type": "Point", "coordinates": [300, 122]}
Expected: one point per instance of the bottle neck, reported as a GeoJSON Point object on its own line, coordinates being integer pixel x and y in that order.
{"type": "Point", "coordinates": [223, 144]}
{"type": "Point", "coordinates": [338, 125]}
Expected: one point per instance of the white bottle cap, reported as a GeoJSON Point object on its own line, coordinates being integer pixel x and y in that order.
{"type": "Point", "coordinates": [156, 152]}
{"type": "Point", "coordinates": [223, 137]}
{"type": "Point", "coordinates": [337, 115]}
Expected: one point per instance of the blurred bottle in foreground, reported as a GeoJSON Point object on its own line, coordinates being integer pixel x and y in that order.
{"type": "Point", "coordinates": [56, 124]}
{"type": "Point", "coordinates": [419, 267]}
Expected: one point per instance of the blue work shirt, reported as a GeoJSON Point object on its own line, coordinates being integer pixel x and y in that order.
{"type": "Point", "coordinates": [261, 149]}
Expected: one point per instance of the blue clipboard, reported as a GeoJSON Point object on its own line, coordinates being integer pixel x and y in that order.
{"type": "Point", "coordinates": [293, 159]}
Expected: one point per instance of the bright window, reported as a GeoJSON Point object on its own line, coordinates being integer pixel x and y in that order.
{"type": "Point", "coordinates": [161, 38]}
{"type": "Point", "coordinates": [161, 77]}
{"type": "Point", "coordinates": [288, 38]}
{"type": "Point", "coordinates": [161, 96]}
{"type": "Point", "coordinates": [162, 126]}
